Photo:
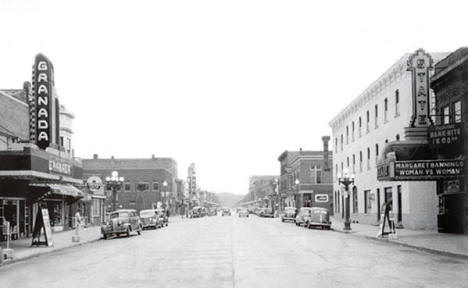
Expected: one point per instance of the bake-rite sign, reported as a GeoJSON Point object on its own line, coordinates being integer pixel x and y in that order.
{"type": "Point", "coordinates": [420, 63]}
{"type": "Point", "coordinates": [42, 86]}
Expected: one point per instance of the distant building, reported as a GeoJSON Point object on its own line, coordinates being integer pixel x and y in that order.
{"type": "Point", "coordinates": [306, 178]}
{"type": "Point", "coordinates": [144, 181]}
{"type": "Point", "coordinates": [261, 186]}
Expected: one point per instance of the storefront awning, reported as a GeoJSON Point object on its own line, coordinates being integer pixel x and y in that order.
{"type": "Point", "coordinates": [63, 190]}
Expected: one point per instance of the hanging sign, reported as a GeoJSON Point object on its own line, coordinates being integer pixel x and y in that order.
{"type": "Point", "coordinates": [321, 198]}
{"type": "Point", "coordinates": [420, 63]}
{"type": "Point", "coordinates": [446, 136]}
{"type": "Point", "coordinates": [42, 88]}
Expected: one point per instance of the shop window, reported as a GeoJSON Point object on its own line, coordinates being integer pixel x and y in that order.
{"type": "Point", "coordinates": [367, 121]}
{"type": "Point", "coordinates": [376, 114]}
{"type": "Point", "coordinates": [385, 110]}
{"type": "Point", "coordinates": [352, 131]}
{"type": "Point", "coordinates": [155, 186]}
{"type": "Point", "coordinates": [397, 103]}
{"type": "Point", "coordinates": [367, 201]}
{"type": "Point", "coordinates": [127, 187]}
{"type": "Point", "coordinates": [142, 186]}
{"type": "Point", "coordinates": [446, 115]}
{"type": "Point", "coordinates": [457, 116]}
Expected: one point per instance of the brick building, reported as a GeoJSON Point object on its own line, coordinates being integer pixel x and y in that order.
{"type": "Point", "coordinates": [306, 178]}
{"type": "Point", "coordinates": [144, 181]}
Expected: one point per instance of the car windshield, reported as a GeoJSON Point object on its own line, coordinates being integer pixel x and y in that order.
{"type": "Point", "coordinates": [119, 215]}
{"type": "Point", "coordinates": [148, 213]}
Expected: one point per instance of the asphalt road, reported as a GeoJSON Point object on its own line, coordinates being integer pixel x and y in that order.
{"type": "Point", "coordinates": [237, 252]}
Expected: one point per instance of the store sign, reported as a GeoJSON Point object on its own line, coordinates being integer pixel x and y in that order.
{"type": "Point", "coordinates": [420, 63]}
{"type": "Point", "coordinates": [428, 169]}
{"type": "Point", "coordinates": [321, 198]}
{"type": "Point", "coordinates": [42, 87]}
{"type": "Point", "coordinates": [443, 136]}
{"type": "Point", "coordinates": [59, 166]}
{"type": "Point", "coordinates": [95, 185]}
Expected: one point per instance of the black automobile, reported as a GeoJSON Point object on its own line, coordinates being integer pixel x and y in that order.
{"type": "Point", "coordinates": [226, 212]}
{"type": "Point", "coordinates": [319, 217]}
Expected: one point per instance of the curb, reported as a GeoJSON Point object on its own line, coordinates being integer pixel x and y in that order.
{"type": "Point", "coordinates": [399, 243]}
{"type": "Point", "coordinates": [16, 260]}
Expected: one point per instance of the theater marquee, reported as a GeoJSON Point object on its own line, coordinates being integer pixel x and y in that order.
{"type": "Point", "coordinates": [420, 170]}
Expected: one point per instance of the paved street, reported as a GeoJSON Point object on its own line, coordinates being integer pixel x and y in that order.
{"type": "Point", "coordinates": [237, 252]}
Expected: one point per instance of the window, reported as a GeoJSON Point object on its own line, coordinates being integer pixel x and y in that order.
{"type": "Point", "coordinates": [347, 135]}
{"type": "Point", "coordinates": [336, 145]}
{"type": "Point", "coordinates": [354, 163]}
{"type": "Point", "coordinates": [376, 153]}
{"type": "Point", "coordinates": [341, 168]}
{"type": "Point", "coordinates": [367, 201]}
{"type": "Point", "coordinates": [360, 161]}
{"type": "Point", "coordinates": [316, 175]}
{"type": "Point", "coordinates": [142, 186]}
{"type": "Point", "coordinates": [336, 170]}
{"type": "Point", "coordinates": [446, 115]}
{"type": "Point", "coordinates": [61, 141]}
{"type": "Point", "coordinates": [355, 200]}
{"type": "Point", "coordinates": [376, 113]}
{"type": "Point", "coordinates": [397, 103]}
{"type": "Point", "coordinates": [156, 186]}
{"type": "Point", "coordinates": [368, 158]}
{"type": "Point", "coordinates": [352, 131]}
{"type": "Point", "coordinates": [385, 110]}
{"type": "Point", "coordinates": [347, 162]}
{"type": "Point", "coordinates": [127, 186]}
{"type": "Point", "coordinates": [341, 142]}
{"type": "Point", "coordinates": [388, 194]}
{"type": "Point", "coordinates": [457, 112]}
{"type": "Point", "coordinates": [360, 126]}
{"type": "Point", "coordinates": [397, 137]}
{"type": "Point", "coordinates": [367, 121]}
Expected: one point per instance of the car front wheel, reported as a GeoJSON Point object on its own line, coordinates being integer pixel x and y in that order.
{"type": "Point", "coordinates": [128, 232]}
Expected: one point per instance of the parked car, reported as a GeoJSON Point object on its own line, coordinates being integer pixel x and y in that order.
{"type": "Point", "coordinates": [243, 213]}
{"type": "Point", "coordinates": [195, 212]}
{"type": "Point", "coordinates": [162, 214]}
{"type": "Point", "coordinates": [319, 217]}
{"type": "Point", "coordinates": [267, 212]}
{"type": "Point", "coordinates": [226, 211]}
{"type": "Point", "coordinates": [303, 216]}
{"type": "Point", "coordinates": [203, 212]}
{"type": "Point", "coordinates": [150, 219]}
{"type": "Point", "coordinates": [289, 214]}
{"type": "Point", "coordinates": [122, 222]}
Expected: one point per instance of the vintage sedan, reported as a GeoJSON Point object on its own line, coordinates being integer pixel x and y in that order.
{"type": "Point", "coordinates": [319, 217]}
{"type": "Point", "coordinates": [243, 212]}
{"type": "Point", "coordinates": [226, 211]}
{"type": "Point", "coordinates": [122, 222]}
{"type": "Point", "coordinates": [303, 216]}
{"type": "Point", "coordinates": [150, 219]}
{"type": "Point", "coordinates": [289, 214]}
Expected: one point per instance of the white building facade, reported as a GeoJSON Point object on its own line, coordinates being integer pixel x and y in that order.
{"type": "Point", "coordinates": [360, 131]}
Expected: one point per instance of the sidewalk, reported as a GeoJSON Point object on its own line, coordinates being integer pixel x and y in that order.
{"type": "Point", "coordinates": [430, 241]}
{"type": "Point", "coordinates": [23, 250]}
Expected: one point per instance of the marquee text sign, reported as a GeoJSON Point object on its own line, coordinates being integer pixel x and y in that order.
{"type": "Point", "coordinates": [42, 85]}
{"type": "Point", "coordinates": [446, 136]}
{"type": "Point", "coordinates": [420, 63]}
{"type": "Point", "coordinates": [58, 166]}
{"type": "Point", "coordinates": [428, 169]}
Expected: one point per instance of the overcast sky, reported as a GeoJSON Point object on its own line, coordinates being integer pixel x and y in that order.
{"type": "Point", "coordinates": [228, 85]}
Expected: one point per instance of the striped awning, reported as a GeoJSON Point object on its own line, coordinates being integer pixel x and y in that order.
{"type": "Point", "coordinates": [61, 189]}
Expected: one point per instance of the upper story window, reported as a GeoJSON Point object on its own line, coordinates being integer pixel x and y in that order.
{"type": "Point", "coordinates": [376, 113]}
{"type": "Point", "coordinates": [457, 116]}
{"type": "Point", "coordinates": [352, 131]}
{"type": "Point", "coordinates": [347, 162]}
{"type": "Point", "coordinates": [367, 121]}
{"type": "Point", "coordinates": [397, 137]}
{"type": "Point", "coordinates": [127, 186]}
{"type": "Point", "coordinates": [360, 161]}
{"type": "Point", "coordinates": [341, 142]}
{"type": "Point", "coordinates": [336, 170]}
{"type": "Point", "coordinates": [142, 186]}
{"type": "Point", "coordinates": [336, 145]}
{"type": "Point", "coordinates": [368, 158]}
{"type": "Point", "coordinates": [342, 168]}
{"type": "Point", "coordinates": [376, 153]}
{"type": "Point", "coordinates": [354, 163]}
{"type": "Point", "coordinates": [347, 135]}
{"type": "Point", "coordinates": [155, 186]}
{"type": "Point", "coordinates": [360, 126]}
{"type": "Point", "coordinates": [446, 115]}
{"type": "Point", "coordinates": [386, 110]}
{"type": "Point", "coordinates": [397, 103]}
{"type": "Point", "coordinates": [316, 175]}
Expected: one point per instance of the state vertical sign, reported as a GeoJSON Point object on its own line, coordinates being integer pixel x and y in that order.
{"type": "Point", "coordinates": [420, 63]}
{"type": "Point", "coordinates": [42, 89]}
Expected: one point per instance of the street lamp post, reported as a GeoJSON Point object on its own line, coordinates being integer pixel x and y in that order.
{"type": "Point", "coordinates": [165, 194]}
{"type": "Point", "coordinates": [297, 182]}
{"type": "Point", "coordinates": [346, 180]}
{"type": "Point", "coordinates": [114, 182]}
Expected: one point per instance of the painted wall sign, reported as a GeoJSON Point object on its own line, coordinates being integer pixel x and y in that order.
{"type": "Point", "coordinates": [428, 169]}
{"type": "Point", "coordinates": [321, 198]}
{"type": "Point", "coordinates": [446, 136]}
{"type": "Point", "coordinates": [420, 63]}
{"type": "Point", "coordinates": [42, 89]}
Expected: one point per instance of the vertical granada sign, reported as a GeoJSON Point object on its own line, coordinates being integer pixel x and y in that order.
{"type": "Point", "coordinates": [42, 91]}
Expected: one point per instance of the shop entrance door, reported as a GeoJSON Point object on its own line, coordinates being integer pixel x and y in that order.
{"type": "Point", "coordinates": [450, 218]}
